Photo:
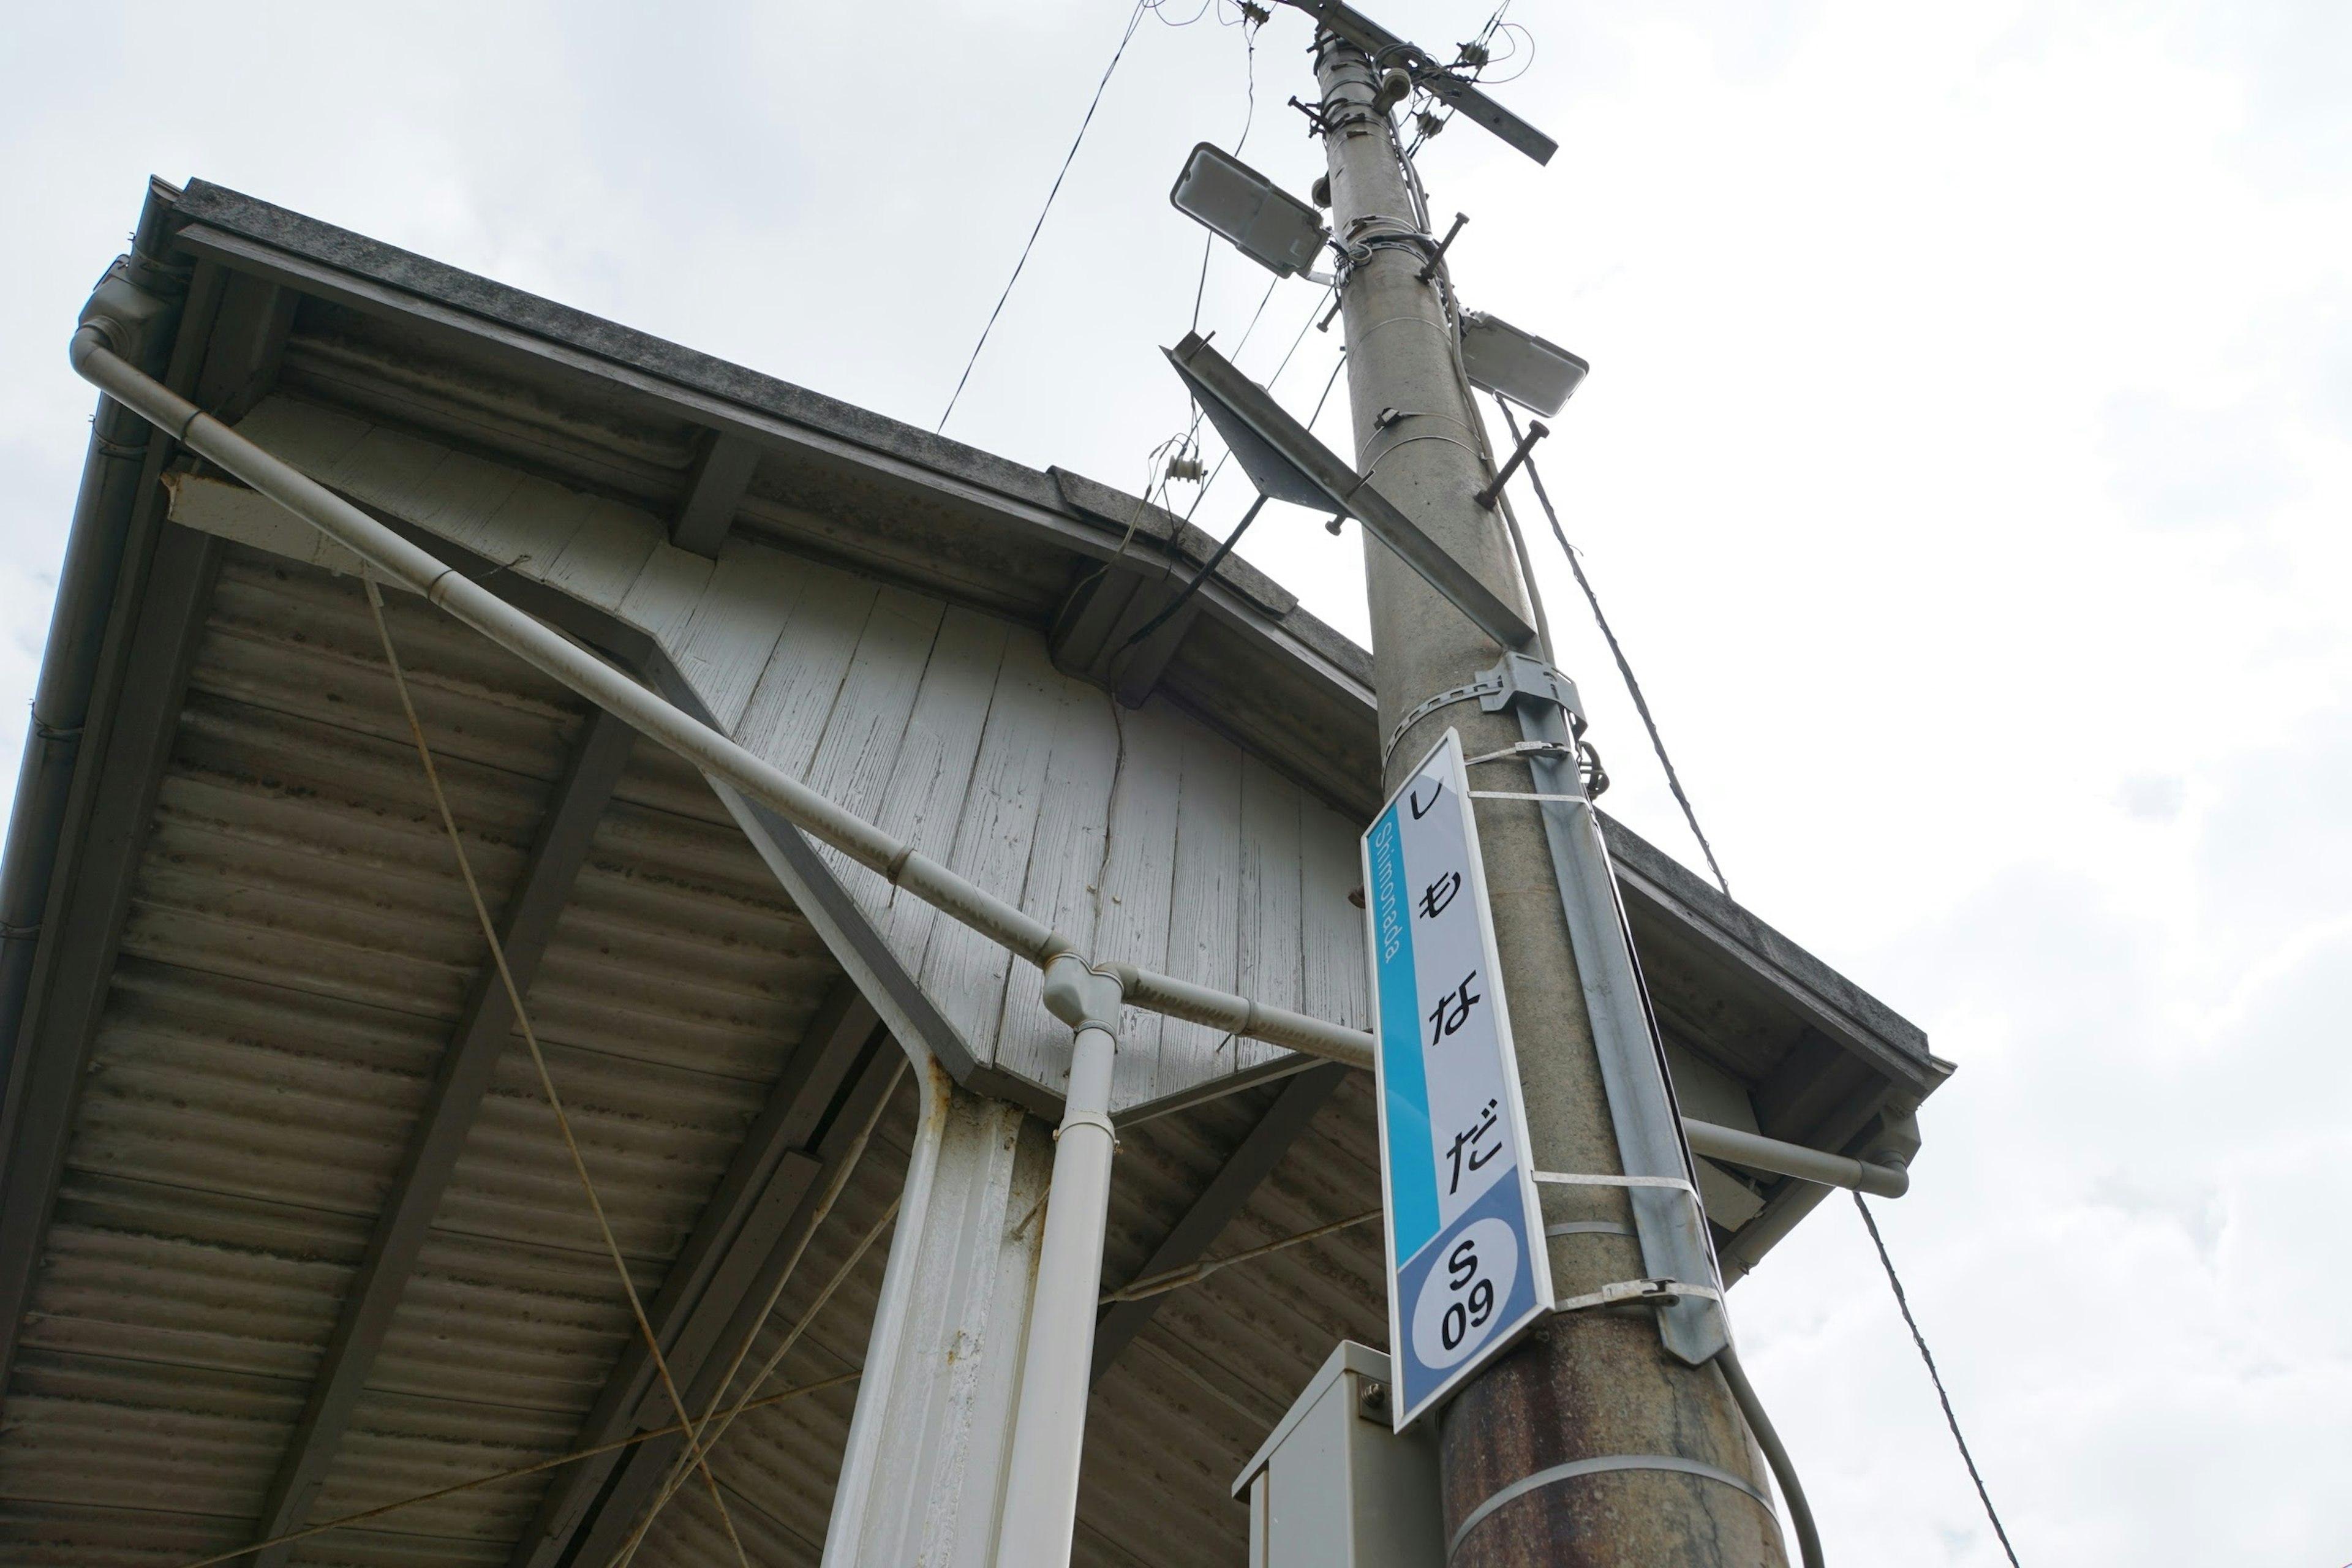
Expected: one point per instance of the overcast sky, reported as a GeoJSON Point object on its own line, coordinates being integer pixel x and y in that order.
{"type": "Point", "coordinates": [1965, 465]}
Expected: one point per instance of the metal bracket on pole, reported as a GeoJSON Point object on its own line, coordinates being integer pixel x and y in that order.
{"type": "Point", "coordinates": [1673, 1232]}
{"type": "Point", "coordinates": [1386, 49]}
{"type": "Point", "coordinates": [1289, 463]}
{"type": "Point", "coordinates": [1519, 675]}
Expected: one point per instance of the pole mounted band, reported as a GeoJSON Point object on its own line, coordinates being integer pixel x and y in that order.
{"type": "Point", "coordinates": [1584, 1179]}
{"type": "Point", "coordinates": [1635, 1293]}
{"type": "Point", "coordinates": [1595, 1467]}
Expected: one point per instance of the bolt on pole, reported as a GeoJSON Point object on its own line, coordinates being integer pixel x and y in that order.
{"type": "Point", "coordinates": [1591, 1385]}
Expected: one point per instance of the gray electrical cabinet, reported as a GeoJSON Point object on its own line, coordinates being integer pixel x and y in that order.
{"type": "Point", "coordinates": [1333, 1487]}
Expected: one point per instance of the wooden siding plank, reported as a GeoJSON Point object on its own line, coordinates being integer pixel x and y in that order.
{"type": "Point", "coordinates": [855, 760]}
{"type": "Point", "coordinates": [726, 643]}
{"type": "Point", "coordinates": [964, 971]}
{"type": "Point", "coordinates": [1333, 982]}
{"type": "Point", "coordinates": [1139, 862]}
{"type": "Point", "coordinates": [1065, 865]}
{"type": "Point", "coordinates": [795, 695]}
{"type": "Point", "coordinates": [922, 802]}
{"type": "Point", "coordinates": [311, 438]}
{"type": "Point", "coordinates": [384, 467]}
{"type": "Point", "coordinates": [606, 553]}
{"type": "Point", "coordinates": [1204, 910]}
{"type": "Point", "coordinates": [1268, 963]}
{"type": "Point", "coordinates": [532, 526]}
{"type": "Point", "coordinates": [662, 599]}
{"type": "Point", "coordinates": [461, 496]}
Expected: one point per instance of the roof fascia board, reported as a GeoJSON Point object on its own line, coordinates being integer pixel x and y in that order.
{"type": "Point", "coordinates": [770, 430]}
{"type": "Point", "coordinates": [84, 815]}
{"type": "Point", "coordinates": [645, 358]}
{"type": "Point", "coordinates": [1044, 512]}
{"type": "Point", "coordinates": [90, 901]}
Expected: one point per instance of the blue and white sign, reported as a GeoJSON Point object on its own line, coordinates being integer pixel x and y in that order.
{"type": "Point", "coordinates": [1467, 1268]}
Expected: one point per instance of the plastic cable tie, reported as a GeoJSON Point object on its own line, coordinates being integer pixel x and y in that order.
{"type": "Point", "coordinates": [1523, 749]}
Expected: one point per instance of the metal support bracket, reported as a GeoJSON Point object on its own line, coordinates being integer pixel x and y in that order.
{"type": "Point", "coordinates": [1642, 1109]}
{"type": "Point", "coordinates": [1519, 675]}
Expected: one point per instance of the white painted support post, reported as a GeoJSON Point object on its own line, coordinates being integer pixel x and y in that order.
{"type": "Point", "coordinates": [922, 1475]}
{"type": "Point", "coordinates": [1040, 1492]}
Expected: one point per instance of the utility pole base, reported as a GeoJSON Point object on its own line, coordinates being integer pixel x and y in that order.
{"type": "Point", "coordinates": [1605, 1391]}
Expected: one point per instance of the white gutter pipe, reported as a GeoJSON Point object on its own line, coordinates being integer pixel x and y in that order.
{"type": "Point", "coordinates": [548, 651]}
{"type": "Point", "coordinates": [1757, 1152]}
{"type": "Point", "coordinates": [1041, 1483]}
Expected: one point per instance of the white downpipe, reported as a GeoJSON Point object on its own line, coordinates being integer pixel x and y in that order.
{"type": "Point", "coordinates": [713, 753]}
{"type": "Point", "coordinates": [1041, 1488]}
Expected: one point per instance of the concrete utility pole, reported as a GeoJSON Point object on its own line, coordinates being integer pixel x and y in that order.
{"type": "Point", "coordinates": [1588, 1385]}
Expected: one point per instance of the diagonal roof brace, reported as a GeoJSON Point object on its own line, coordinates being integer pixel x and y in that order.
{"type": "Point", "coordinates": [1288, 463]}
{"type": "Point", "coordinates": [1386, 49]}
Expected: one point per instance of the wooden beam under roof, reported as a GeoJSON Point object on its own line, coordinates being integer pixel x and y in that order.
{"type": "Point", "coordinates": [442, 1125]}
{"type": "Point", "coordinates": [720, 478]}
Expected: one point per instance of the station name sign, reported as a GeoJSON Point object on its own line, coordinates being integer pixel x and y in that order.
{"type": "Point", "coordinates": [1467, 1267]}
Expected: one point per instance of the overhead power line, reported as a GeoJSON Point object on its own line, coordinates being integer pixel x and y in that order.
{"type": "Point", "coordinates": [1936, 1377]}
{"type": "Point", "coordinates": [1133, 22]}
{"type": "Point", "coordinates": [1624, 667]}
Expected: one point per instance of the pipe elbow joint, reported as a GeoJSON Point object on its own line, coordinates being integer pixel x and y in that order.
{"type": "Point", "coordinates": [1080, 996]}
{"type": "Point", "coordinates": [1883, 1179]}
{"type": "Point", "coordinates": [121, 317]}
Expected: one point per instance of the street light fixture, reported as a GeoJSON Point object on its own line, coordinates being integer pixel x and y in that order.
{"type": "Point", "coordinates": [1265, 223]}
{"type": "Point", "coordinates": [1520, 365]}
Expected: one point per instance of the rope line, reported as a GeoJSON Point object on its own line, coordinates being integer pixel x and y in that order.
{"type": "Point", "coordinates": [518, 1473]}
{"type": "Point", "coordinates": [675, 1478]}
{"type": "Point", "coordinates": [538, 1057]}
{"type": "Point", "coordinates": [1625, 669]}
{"type": "Point", "coordinates": [1936, 1377]}
{"type": "Point", "coordinates": [1193, 1273]}
{"type": "Point", "coordinates": [1132, 23]}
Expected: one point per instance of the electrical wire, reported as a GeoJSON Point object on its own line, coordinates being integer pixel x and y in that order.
{"type": "Point", "coordinates": [1776, 1454]}
{"type": "Point", "coordinates": [1206, 572]}
{"type": "Point", "coordinates": [1934, 1376]}
{"type": "Point", "coordinates": [1133, 22]}
{"type": "Point", "coordinates": [1624, 667]}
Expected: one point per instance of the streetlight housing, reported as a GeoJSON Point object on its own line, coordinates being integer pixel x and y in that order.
{"type": "Point", "coordinates": [1265, 222]}
{"type": "Point", "coordinates": [1521, 365]}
